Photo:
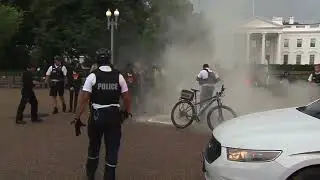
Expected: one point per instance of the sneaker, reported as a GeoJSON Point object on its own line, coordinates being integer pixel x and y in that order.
{"type": "Point", "coordinates": [64, 107]}
{"type": "Point", "coordinates": [21, 122]}
{"type": "Point", "coordinates": [55, 110]}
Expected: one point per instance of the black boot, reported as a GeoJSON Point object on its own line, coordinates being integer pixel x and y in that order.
{"type": "Point", "coordinates": [109, 173]}
{"type": "Point", "coordinates": [91, 167]}
{"type": "Point", "coordinates": [19, 118]}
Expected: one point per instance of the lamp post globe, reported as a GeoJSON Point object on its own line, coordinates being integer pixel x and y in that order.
{"type": "Point", "coordinates": [108, 13]}
{"type": "Point", "coordinates": [116, 13]}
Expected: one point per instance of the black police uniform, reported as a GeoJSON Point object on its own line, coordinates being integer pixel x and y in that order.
{"type": "Point", "coordinates": [74, 82]}
{"type": "Point", "coordinates": [104, 122]}
{"type": "Point", "coordinates": [57, 81]}
{"type": "Point", "coordinates": [315, 78]}
{"type": "Point", "coordinates": [28, 96]}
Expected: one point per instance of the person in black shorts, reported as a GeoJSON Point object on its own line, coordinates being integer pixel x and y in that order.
{"type": "Point", "coordinates": [56, 75]}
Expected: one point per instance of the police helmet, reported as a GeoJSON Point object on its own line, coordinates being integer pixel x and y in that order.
{"type": "Point", "coordinates": [103, 56]}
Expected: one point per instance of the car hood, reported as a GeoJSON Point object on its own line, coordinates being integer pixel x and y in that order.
{"type": "Point", "coordinates": [282, 129]}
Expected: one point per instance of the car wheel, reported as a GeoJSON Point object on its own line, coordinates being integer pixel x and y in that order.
{"type": "Point", "coordinates": [310, 173]}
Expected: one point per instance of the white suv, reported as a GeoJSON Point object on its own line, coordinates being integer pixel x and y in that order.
{"type": "Point", "coordinates": [273, 145]}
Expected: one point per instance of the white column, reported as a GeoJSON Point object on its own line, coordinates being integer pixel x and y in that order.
{"type": "Point", "coordinates": [279, 49]}
{"type": "Point", "coordinates": [263, 49]}
{"type": "Point", "coordinates": [248, 47]}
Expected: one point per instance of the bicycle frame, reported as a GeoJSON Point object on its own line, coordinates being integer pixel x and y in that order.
{"type": "Point", "coordinates": [210, 101]}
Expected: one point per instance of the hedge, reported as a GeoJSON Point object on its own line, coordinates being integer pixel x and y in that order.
{"type": "Point", "coordinates": [288, 67]}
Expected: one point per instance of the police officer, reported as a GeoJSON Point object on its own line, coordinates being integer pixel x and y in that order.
{"type": "Point", "coordinates": [207, 80]}
{"type": "Point", "coordinates": [103, 88]}
{"type": "Point", "coordinates": [314, 81]}
{"type": "Point", "coordinates": [57, 74]}
{"type": "Point", "coordinates": [28, 96]}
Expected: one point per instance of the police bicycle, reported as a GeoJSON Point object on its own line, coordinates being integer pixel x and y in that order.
{"type": "Point", "coordinates": [189, 108]}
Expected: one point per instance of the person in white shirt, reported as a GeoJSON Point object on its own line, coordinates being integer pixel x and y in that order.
{"type": "Point", "coordinates": [56, 75]}
{"type": "Point", "coordinates": [103, 89]}
{"type": "Point", "coordinates": [207, 80]}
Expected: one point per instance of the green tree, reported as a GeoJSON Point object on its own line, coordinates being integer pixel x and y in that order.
{"type": "Point", "coordinates": [10, 19]}
{"type": "Point", "coordinates": [58, 26]}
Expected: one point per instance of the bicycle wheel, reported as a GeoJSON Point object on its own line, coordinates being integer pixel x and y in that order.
{"type": "Point", "coordinates": [183, 108]}
{"type": "Point", "coordinates": [221, 111]}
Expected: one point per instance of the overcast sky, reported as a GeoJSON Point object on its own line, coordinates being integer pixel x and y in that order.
{"type": "Point", "coordinates": [302, 10]}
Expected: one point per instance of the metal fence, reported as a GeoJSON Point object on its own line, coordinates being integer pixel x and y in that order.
{"type": "Point", "coordinates": [11, 81]}
{"type": "Point", "coordinates": [16, 82]}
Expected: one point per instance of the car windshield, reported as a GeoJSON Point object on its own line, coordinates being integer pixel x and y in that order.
{"type": "Point", "coordinates": [312, 109]}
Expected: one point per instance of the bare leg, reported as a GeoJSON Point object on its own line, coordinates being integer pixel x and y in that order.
{"type": "Point", "coordinates": [63, 102]}
{"type": "Point", "coordinates": [54, 104]}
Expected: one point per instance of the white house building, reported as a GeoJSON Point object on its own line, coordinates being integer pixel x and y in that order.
{"type": "Point", "coordinates": [278, 42]}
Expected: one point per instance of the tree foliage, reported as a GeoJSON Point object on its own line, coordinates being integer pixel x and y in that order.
{"type": "Point", "coordinates": [10, 19]}
{"type": "Point", "coordinates": [51, 27]}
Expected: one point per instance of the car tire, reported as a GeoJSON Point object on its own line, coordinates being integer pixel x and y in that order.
{"type": "Point", "coordinates": [310, 173]}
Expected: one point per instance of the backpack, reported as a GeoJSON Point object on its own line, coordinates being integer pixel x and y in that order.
{"type": "Point", "coordinates": [212, 78]}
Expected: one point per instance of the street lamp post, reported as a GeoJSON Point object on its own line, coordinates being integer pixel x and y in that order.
{"type": "Point", "coordinates": [112, 25]}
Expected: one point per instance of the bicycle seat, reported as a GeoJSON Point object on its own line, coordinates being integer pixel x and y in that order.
{"type": "Point", "coordinates": [195, 90]}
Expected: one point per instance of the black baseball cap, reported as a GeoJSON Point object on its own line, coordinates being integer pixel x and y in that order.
{"type": "Point", "coordinates": [205, 66]}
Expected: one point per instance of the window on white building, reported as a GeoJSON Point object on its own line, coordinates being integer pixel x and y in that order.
{"type": "Point", "coordinates": [298, 59]}
{"type": "Point", "coordinates": [285, 59]}
{"type": "Point", "coordinates": [267, 43]}
{"type": "Point", "coordinates": [254, 43]}
{"type": "Point", "coordinates": [286, 43]}
{"type": "Point", "coordinates": [312, 58]}
{"type": "Point", "coordinates": [313, 42]}
{"type": "Point", "coordinates": [299, 42]}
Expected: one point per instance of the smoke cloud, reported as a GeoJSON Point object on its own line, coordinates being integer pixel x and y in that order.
{"type": "Point", "coordinates": [183, 61]}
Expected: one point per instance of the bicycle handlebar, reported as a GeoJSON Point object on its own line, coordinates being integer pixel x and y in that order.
{"type": "Point", "coordinates": [221, 91]}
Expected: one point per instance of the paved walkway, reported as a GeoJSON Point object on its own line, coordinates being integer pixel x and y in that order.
{"type": "Point", "coordinates": [51, 151]}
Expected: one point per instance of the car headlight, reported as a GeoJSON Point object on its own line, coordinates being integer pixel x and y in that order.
{"type": "Point", "coordinates": [245, 155]}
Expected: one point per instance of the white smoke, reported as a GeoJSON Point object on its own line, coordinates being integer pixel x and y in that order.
{"type": "Point", "coordinates": [183, 61]}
